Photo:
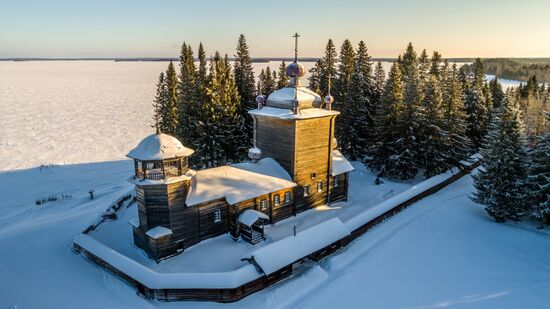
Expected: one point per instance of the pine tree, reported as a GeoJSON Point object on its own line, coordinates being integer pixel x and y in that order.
{"type": "Point", "coordinates": [328, 67]}
{"type": "Point", "coordinates": [244, 80]}
{"type": "Point", "coordinates": [161, 98]}
{"type": "Point", "coordinates": [169, 123]}
{"type": "Point", "coordinates": [539, 177]}
{"type": "Point", "coordinates": [283, 78]}
{"type": "Point", "coordinates": [501, 182]}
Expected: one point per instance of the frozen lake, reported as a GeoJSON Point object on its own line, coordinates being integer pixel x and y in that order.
{"type": "Point", "coordinates": [62, 112]}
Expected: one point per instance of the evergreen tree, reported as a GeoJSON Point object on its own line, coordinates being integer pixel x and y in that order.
{"type": "Point", "coordinates": [411, 127]}
{"type": "Point", "coordinates": [434, 144]}
{"type": "Point", "coordinates": [267, 82]}
{"type": "Point", "coordinates": [496, 92]}
{"type": "Point", "coordinates": [501, 182]}
{"type": "Point", "coordinates": [477, 114]}
{"type": "Point", "coordinates": [328, 67]}
{"type": "Point", "coordinates": [222, 138]}
{"type": "Point", "coordinates": [364, 83]}
{"type": "Point", "coordinates": [424, 67]}
{"type": "Point", "coordinates": [346, 66]}
{"type": "Point", "coordinates": [454, 117]}
{"type": "Point", "coordinates": [435, 67]}
{"type": "Point", "coordinates": [314, 77]}
{"type": "Point", "coordinates": [187, 99]}
{"type": "Point", "coordinates": [539, 177]}
{"type": "Point", "coordinates": [283, 78]}
{"type": "Point", "coordinates": [161, 99]}
{"type": "Point", "coordinates": [355, 114]}
{"type": "Point", "coordinates": [388, 154]}
{"type": "Point", "coordinates": [169, 123]}
{"type": "Point", "coordinates": [260, 85]}
{"type": "Point", "coordinates": [244, 80]}
{"type": "Point", "coordinates": [379, 79]}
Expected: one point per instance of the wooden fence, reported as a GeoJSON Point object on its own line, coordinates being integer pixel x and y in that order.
{"type": "Point", "coordinates": [235, 294]}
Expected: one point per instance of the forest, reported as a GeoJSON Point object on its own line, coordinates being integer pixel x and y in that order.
{"type": "Point", "coordinates": [521, 69]}
{"type": "Point", "coordinates": [425, 116]}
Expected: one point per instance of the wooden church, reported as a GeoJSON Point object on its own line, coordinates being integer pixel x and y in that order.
{"type": "Point", "coordinates": [294, 166]}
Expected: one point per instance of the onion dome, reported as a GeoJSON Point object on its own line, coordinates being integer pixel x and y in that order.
{"type": "Point", "coordinates": [329, 100]}
{"type": "Point", "coordinates": [159, 147]}
{"type": "Point", "coordinates": [286, 97]}
{"type": "Point", "coordinates": [295, 69]}
{"type": "Point", "coordinates": [254, 154]}
{"type": "Point", "coordinates": [260, 100]}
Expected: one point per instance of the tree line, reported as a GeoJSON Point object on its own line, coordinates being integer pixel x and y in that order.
{"type": "Point", "coordinates": [425, 116]}
{"type": "Point", "coordinates": [519, 69]}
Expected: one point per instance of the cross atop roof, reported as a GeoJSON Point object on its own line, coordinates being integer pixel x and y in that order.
{"type": "Point", "coordinates": [296, 36]}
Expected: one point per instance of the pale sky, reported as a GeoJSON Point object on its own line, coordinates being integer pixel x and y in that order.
{"type": "Point", "coordinates": [139, 28]}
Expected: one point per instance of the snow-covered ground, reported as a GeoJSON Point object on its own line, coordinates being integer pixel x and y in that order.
{"type": "Point", "coordinates": [442, 252]}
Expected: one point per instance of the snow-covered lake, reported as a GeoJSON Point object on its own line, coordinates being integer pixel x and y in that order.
{"type": "Point", "coordinates": [59, 112]}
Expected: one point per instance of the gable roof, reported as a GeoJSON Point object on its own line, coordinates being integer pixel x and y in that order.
{"type": "Point", "coordinates": [238, 182]}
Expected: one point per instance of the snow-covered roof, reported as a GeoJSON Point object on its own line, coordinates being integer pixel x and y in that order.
{"type": "Point", "coordinates": [239, 182]}
{"type": "Point", "coordinates": [159, 147]}
{"type": "Point", "coordinates": [158, 232]}
{"type": "Point", "coordinates": [276, 255]}
{"type": "Point", "coordinates": [288, 114]}
{"type": "Point", "coordinates": [284, 98]}
{"type": "Point", "coordinates": [339, 163]}
{"type": "Point", "coordinates": [134, 222]}
{"type": "Point", "coordinates": [250, 216]}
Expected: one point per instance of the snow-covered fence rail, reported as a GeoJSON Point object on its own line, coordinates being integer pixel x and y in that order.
{"type": "Point", "coordinates": [111, 211]}
{"type": "Point", "coordinates": [234, 285]}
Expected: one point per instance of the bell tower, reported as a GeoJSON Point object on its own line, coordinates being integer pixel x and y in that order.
{"type": "Point", "coordinates": [292, 127]}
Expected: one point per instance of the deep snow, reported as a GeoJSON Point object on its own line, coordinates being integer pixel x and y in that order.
{"type": "Point", "coordinates": [442, 252]}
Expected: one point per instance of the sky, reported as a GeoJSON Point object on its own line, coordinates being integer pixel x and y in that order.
{"type": "Point", "coordinates": [139, 28]}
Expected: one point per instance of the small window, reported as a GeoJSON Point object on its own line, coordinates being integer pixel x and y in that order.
{"type": "Point", "coordinates": [336, 181]}
{"type": "Point", "coordinates": [218, 215]}
{"type": "Point", "coordinates": [313, 175]}
{"type": "Point", "coordinates": [306, 191]}
{"type": "Point", "coordinates": [277, 199]}
{"type": "Point", "coordinates": [263, 204]}
{"type": "Point", "coordinates": [287, 197]}
{"type": "Point", "coordinates": [319, 186]}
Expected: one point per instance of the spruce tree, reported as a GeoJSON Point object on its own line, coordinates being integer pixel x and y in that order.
{"type": "Point", "coordinates": [411, 127]}
{"type": "Point", "coordinates": [283, 78]}
{"type": "Point", "coordinates": [501, 181]}
{"type": "Point", "coordinates": [496, 92]}
{"type": "Point", "coordinates": [477, 114]}
{"type": "Point", "coordinates": [434, 144]}
{"type": "Point", "coordinates": [424, 68]}
{"type": "Point", "coordinates": [387, 154]}
{"type": "Point", "coordinates": [187, 99]}
{"type": "Point", "coordinates": [454, 117]}
{"type": "Point", "coordinates": [379, 79]}
{"type": "Point", "coordinates": [222, 138]}
{"type": "Point", "coordinates": [169, 123]}
{"type": "Point", "coordinates": [328, 67]}
{"type": "Point", "coordinates": [244, 80]}
{"type": "Point", "coordinates": [159, 104]}
{"type": "Point", "coordinates": [539, 177]}
{"type": "Point", "coordinates": [363, 61]}
{"type": "Point", "coordinates": [314, 77]}
{"type": "Point", "coordinates": [346, 66]}
{"type": "Point", "coordinates": [355, 114]}
{"type": "Point", "coordinates": [435, 66]}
